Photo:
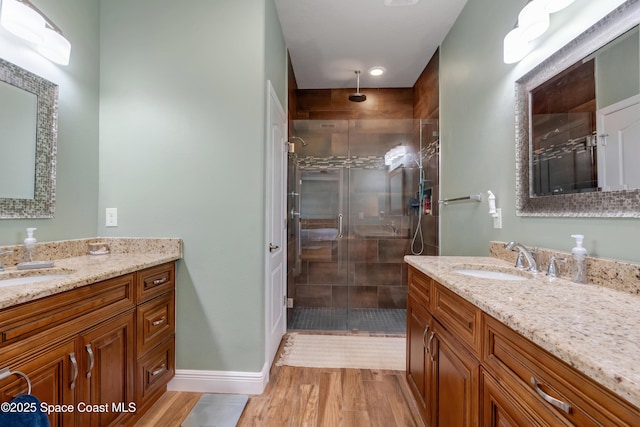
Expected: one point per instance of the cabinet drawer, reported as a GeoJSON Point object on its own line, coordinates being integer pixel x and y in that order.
{"type": "Point", "coordinates": [155, 281]}
{"type": "Point", "coordinates": [459, 317]}
{"type": "Point", "coordinates": [155, 322]}
{"type": "Point", "coordinates": [519, 362]}
{"type": "Point", "coordinates": [100, 300]}
{"type": "Point", "coordinates": [155, 369]}
{"type": "Point", "coordinates": [501, 408]}
{"type": "Point", "coordinates": [419, 287]}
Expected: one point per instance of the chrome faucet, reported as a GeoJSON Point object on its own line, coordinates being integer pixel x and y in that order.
{"type": "Point", "coordinates": [528, 255]}
{"type": "Point", "coordinates": [4, 253]}
{"type": "Point", "coordinates": [552, 271]}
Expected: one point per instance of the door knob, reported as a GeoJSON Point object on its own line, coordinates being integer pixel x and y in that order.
{"type": "Point", "coordinates": [273, 247]}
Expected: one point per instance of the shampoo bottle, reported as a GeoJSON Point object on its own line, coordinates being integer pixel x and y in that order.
{"type": "Point", "coordinates": [579, 260]}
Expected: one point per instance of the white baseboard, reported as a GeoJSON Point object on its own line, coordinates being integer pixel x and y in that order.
{"type": "Point", "coordinates": [220, 381]}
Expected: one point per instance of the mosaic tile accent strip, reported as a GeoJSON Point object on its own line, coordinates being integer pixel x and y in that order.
{"type": "Point", "coordinates": [334, 162]}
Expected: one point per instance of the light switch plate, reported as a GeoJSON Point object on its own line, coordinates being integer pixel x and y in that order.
{"type": "Point", "coordinates": [111, 217]}
{"type": "Point", "coordinates": [497, 220]}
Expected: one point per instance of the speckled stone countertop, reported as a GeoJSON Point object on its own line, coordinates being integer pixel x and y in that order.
{"type": "Point", "coordinates": [78, 269]}
{"type": "Point", "coordinates": [592, 328]}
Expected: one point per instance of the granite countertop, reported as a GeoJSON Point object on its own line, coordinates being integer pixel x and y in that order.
{"type": "Point", "coordinates": [77, 270]}
{"type": "Point", "coordinates": [592, 328]}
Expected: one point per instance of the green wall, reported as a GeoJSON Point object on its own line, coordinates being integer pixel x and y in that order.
{"type": "Point", "coordinates": [478, 135]}
{"type": "Point", "coordinates": [182, 133]}
{"type": "Point", "coordinates": [77, 158]}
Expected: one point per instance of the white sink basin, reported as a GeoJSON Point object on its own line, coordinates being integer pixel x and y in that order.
{"type": "Point", "coordinates": [490, 274]}
{"type": "Point", "coordinates": [29, 279]}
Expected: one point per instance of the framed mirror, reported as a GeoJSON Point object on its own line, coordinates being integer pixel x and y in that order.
{"type": "Point", "coordinates": [28, 134]}
{"type": "Point", "coordinates": [566, 164]}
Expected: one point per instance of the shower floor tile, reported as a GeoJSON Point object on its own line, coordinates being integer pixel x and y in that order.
{"type": "Point", "coordinates": [387, 320]}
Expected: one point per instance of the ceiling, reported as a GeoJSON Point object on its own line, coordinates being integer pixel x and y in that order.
{"type": "Point", "coordinates": [329, 39]}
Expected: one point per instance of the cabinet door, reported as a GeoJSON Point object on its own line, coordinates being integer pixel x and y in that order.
{"type": "Point", "coordinates": [458, 381]}
{"type": "Point", "coordinates": [419, 366]}
{"type": "Point", "coordinates": [53, 375]}
{"type": "Point", "coordinates": [108, 370]}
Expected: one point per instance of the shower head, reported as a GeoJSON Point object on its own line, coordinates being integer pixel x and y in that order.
{"type": "Point", "coordinates": [357, 97]}
{"type": "Point", "coordinates": [304, 143]}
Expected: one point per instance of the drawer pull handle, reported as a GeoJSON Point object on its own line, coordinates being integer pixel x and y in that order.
{"type": "Point", "coordinates": [74, 364]}
{"type": "Point", "coordinates": [160, 281]}
{"type": "Point", "coordinates": [91, 360]}
{"type": "Point", "coordinates": [552, 400]}
{"type": "Point", "coordinates": [431, 355]}
{"type": "Point", "coordinates": [161, 369]}
{"type": "Point", "coordinates": [160, 321]}
{"type": "Point", "coordinates": [424, 335]}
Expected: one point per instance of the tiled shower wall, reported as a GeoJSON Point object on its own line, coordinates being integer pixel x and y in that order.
{"type": "Point", "coordinates": [375, 270]}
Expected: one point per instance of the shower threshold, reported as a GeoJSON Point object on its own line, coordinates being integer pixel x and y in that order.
{"type": "Point", "coordinates": [382, 320]}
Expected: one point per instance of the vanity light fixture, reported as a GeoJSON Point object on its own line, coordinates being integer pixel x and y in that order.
{"type": "Point", "coordinates": [533, 21]}
{"type": "Point", "coordinates": [26, 21]}
{"type": "Point", "coordinates": [516, 46]}
{"type": "Point", "coordinates": [554, 6]}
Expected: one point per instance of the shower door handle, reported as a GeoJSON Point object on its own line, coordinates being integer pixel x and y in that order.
{"type": "Point", "coordinates": [340, 225]}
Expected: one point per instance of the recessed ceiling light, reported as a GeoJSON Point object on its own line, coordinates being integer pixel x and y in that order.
{"type": "Point", "coordinates": [376, 71]}
{"type": "Point", "coordinates": [400, 2]}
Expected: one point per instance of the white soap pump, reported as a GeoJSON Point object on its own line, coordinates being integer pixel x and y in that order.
{"type": "Point", "coordinates": [580, 260]}
{"type": "Point", "coordinates": [30, 243]}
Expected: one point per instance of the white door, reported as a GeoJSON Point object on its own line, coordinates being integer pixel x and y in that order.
{"type": "Point", "coordinates": [619, 145]}
{"type": "Point", "coordinates": [276, 254]}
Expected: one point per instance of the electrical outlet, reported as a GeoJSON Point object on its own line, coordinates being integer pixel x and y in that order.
{"type": "Point", "coordinates": [111, 215]}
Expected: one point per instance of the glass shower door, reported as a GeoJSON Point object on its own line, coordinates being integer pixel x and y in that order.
{"type": "Point", "coordinates": [320, 299]}
{"type": "Point", "coordinates": [355, 224]}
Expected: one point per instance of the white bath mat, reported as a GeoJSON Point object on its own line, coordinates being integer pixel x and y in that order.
{"type": "Point", "coordinates": [344, 351]}
{"type": "Point", "coordinates": [216, 410]}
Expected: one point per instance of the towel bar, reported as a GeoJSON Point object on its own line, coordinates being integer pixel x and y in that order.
{"type": "Point", "coordinates": [477, 197]}
{"type": "Point", "coordinates": [5, 372]}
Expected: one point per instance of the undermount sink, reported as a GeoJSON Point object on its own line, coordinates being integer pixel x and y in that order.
{"type": "Point", "coordinates": [490, 272]}
{"type": "Point", "coordinates": [34, 276]}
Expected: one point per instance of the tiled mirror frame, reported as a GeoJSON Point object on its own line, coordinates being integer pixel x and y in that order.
{"type": "Point", "coordinates": [618, 204]}
{"type": "Point", "coordinates": [43, 203]}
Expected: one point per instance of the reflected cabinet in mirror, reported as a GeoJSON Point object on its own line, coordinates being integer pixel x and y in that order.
{"type": "Point", "coordinates": [28, 132]}
{"type": "Point", "coordinates": [578, 125]}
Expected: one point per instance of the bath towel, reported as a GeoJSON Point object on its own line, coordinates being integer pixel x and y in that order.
{"type": "Point", "coordinates": [23, 411]}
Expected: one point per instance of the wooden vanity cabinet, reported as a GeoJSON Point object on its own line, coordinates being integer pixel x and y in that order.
{"type": "Point", "coordinates": [478, 371]}
{"type": "Point", "coordinates": [545, 388]}
{"type": "Point", "coordinates": [80, 348]}
{"type": "Point", "coordinates": [155, 362]}
{"type": "Point", "coordinates": [442, 372]}
{"type": "Point", "coordinates": [51, 372]}
{"type": "Point", "coordinates": [419, 364]}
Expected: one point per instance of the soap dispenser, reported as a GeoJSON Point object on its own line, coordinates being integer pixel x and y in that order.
{"type": "Point", "coordinates": [30, 243]}
{"type": "Point", "coordinates": [579, 260]}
